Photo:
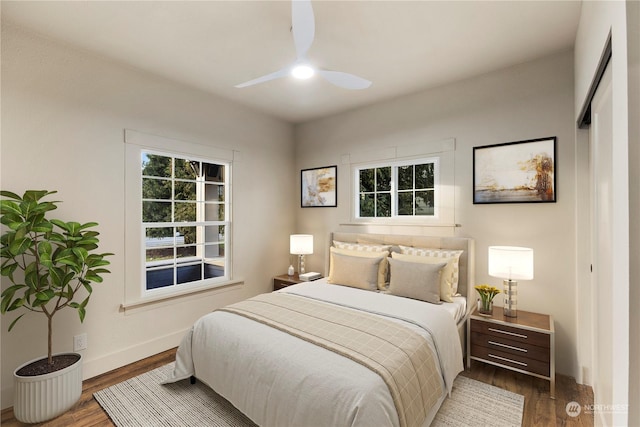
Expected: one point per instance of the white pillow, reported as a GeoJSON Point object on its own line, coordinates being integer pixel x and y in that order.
{"type": "Point", "coordinates": [361, 247]}
{"type": "Point", "coordinates": [355, 271]}
{"type": "Point", "coordinates": [438, 253]}
{"type": "Point", "coordinates": [446, 277]}
{"type": "Point", "coordinates": [415, 280]}
{"type": "Point", "coordinates": [383, 267]}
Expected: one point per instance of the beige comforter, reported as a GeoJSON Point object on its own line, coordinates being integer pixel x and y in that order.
{"type": "Point", "coordinates": [398, 354]}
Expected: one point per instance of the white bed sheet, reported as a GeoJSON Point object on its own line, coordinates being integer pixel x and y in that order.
{"type": "Point", "coordinates": [457, 308]}
{"type": "Point", "coordinates": [279, 380]}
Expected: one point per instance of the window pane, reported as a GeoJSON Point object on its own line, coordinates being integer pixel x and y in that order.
{"type": "Point", "coordinates": [213, 172]}
{"type": "Point", "coordinates": [159, 254]}
{"type": "Point", "coordinates": [383, 176]}
{"type": "Point", "coordinates": [160, 278]}
{"type": "Point", "coordinates": [185, 212]}
{"type": "Point", "coordinates": [186, 251]}
{"type": "Point", "coordinates": [367, 205]}
{"type": "Point", "coordinates": [189, 273]}
{"type": "Point", "coordinates": [185, 190]}
{"type": "Point", "coordinates": [405, 203]}
{"type": "Point", "coordinates": [153, 188]}
{"type": "Point", "coordinates": [405, 178]}
{"type": "Point", "coordinates": [367, 183]}
{"type": "Point", "coordinates": [214, 253]}
{"type": "Point", "coordinates": [424, 202]}
{"type": "Point", "coordinates": [156, 165]}
{"type": "Point", "coordinates": [187, 169]}
{"type": "Point", "coordinates": [383, 205]}
{"type": "Point", "coordinates": [214, 234]}
{"type": "Point", "coordinates": [214, 193]}
{"type": "Point", "coordinates": [213, 212]}
{"type": "Point", "coordinates": [156, 211]}
{"type": "Point", "coordinates": [424, 176]}
{"type": "Point", "coordinates": [159, 236]}
{"type": "Point", "coordinates": [214, 268]}
{"type": "Point", "coordinates": [186, 235]}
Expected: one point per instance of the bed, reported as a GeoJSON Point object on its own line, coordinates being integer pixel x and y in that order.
{"type": "Point", "coordinates": [348, 349]}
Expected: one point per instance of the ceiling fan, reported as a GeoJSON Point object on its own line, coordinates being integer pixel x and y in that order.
{"type": "Point", "coordinates": [303, 28]}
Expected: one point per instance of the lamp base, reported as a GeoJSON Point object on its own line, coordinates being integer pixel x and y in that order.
{"type": "Point", "coordinates": [510, 298]}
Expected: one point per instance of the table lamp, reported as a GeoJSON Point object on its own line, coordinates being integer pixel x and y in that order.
{"type": "Point", "coordinates": [301, 245]}
{"type": "Point", "coordinates": [511, 263]}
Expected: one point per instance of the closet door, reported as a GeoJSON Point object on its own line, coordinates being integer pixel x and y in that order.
{"type": "Point", "coordinates": [603, 286]}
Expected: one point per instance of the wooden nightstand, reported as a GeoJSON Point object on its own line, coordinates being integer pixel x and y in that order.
{"type": "Point", "coordinates": [524, 344]}
{"type": "Point", "coordinates": [284, 280]}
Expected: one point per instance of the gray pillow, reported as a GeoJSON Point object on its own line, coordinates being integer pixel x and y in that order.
{"type": "Point", "coordinates": [415, 280]}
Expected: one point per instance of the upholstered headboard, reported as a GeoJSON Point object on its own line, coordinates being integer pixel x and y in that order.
{"type": "Point", "coordinates": [466, 263]}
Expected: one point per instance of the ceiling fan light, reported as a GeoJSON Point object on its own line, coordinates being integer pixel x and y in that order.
{"type": "Point", "coordinates": [302, 71]}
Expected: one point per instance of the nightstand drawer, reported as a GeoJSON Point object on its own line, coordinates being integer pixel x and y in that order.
{"type": "Point", "coordinates": [512, 360]}
{"type": "Point", "coordinates": [511, 333]}
{"type": "Point", "coordinates": [507, 345]}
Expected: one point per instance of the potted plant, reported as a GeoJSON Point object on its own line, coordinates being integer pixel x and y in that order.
{"type": "Point", "coordinates": [485, 303]}
{"type": "Point", "coordinates": [51, 265]}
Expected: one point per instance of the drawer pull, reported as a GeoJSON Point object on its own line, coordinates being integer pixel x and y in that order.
{"type": "Point", "coordinates": [508, 333]}
{"type": "Point", "coordinates": [507, 360]}
{"type": "Point", "coordinates": [524, 350]}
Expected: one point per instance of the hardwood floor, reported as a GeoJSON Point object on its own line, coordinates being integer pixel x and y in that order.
{"type": "Point", "coordinates": [539, 409]}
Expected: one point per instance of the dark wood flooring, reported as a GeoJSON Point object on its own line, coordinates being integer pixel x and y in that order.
{"type": "Point", "coordinates": [539, 410]}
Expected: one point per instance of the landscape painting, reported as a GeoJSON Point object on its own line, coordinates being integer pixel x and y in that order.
{"type": "Point", "coordinates": [318, 187]}
{"type": "Point", "coordinates": [515, 172]}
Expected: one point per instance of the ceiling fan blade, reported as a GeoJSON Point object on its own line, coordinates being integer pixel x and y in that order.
{"type": "Point", "coordinates": [275, 75]}
{"type": "Point", "coordinates": [303, 26]}
{"type": "Point", "coordinates": [344, 80]}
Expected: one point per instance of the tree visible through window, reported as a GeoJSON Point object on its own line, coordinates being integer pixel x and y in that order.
{"type": "Point", "coordinates": [184, 218]}
{"type": "Point", "coordinates": [399, 189]}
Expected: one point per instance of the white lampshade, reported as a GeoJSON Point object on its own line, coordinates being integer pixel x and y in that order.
{"type": "Point", "coordinates": [301, 244]}
{"type": "Point", "coordinates": [511, 262]}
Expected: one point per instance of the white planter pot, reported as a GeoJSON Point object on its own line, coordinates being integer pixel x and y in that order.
{"type": "Point", "coordinates": [43, 397]}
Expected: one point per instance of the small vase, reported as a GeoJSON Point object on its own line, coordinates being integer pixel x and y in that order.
{"type": "Point", "coordinates": [485, 307]}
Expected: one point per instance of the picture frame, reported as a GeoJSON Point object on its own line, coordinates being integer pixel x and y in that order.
{"type": "Point", "coordinates": [515, 172]}
{"type": "Point", "coordinates": [319, 187]}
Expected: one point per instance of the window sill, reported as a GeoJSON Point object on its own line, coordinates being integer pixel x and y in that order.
{"type": "Point", "coordinates": [161, 300]}
{"type": "Point", "coordinates": [398, 223]}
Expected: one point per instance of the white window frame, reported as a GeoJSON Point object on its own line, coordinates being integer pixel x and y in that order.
{"type": "Point", "coordinates": [136, 296]}
{"type": "Point", "coordinates": [199, 224]}
{"type": "Point", "coordinates": [395, 164]}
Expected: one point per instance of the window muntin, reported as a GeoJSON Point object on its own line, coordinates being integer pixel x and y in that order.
{"type": "Point", "coordinates": [184, 221]}
{"type": "Point", "coordinates": [400, 189]}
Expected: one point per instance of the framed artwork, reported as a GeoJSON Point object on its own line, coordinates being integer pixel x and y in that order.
{"type": "Point", "coordinates": [318, 187]}
{"type": "Point", "coordinates": [515, 172]}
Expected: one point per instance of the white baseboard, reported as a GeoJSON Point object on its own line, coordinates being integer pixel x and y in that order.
{"type": "Point", "coordinates": [111, 361]}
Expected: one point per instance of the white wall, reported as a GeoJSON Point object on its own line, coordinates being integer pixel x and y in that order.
{"type": "Point", "coordinates": [63, 118]}
{"type": "Point", "coordinates": [598, 19]}
{"type": "Point", "coordinates": [528, 101]}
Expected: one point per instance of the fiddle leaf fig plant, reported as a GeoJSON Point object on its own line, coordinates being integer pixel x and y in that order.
{"type": "Point", "coordinates": [50, 263]}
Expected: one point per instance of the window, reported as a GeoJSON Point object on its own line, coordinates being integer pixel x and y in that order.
{"type": "Point", "coordinates": [399, 189]}
{"type": "Point", "coordinates": [185, 220]}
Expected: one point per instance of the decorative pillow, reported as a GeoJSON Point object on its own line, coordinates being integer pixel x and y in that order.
{"type": "Point", "coordinates": [355, 271]}
{"type": "Point", "coordinates": [361, 247]}
{"type": "Point", "coordinates": [438, 253]}
{"type": "Point", "coordinates": [383, 268]}
{"type": "Point", "coordinates": [415, 280]}
{"type": "Point", "coordinates": [446, 291]}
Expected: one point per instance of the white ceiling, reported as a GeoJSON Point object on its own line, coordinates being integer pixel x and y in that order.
{"type": "Point", "coordinates": [402, 46]}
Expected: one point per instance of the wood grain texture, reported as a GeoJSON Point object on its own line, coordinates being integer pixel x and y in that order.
{"type": "Point", "coordinates": [539, 409]}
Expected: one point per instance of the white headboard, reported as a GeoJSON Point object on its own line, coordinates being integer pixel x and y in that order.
{"type": "Point", "coordinates": [466, 264]}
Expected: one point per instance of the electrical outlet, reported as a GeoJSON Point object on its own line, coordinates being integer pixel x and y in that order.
{"type": "Point", "coordinates": [80, 342]}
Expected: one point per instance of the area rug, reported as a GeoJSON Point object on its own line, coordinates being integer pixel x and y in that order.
{"type": "Point", "coordinates": [143, 401]}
